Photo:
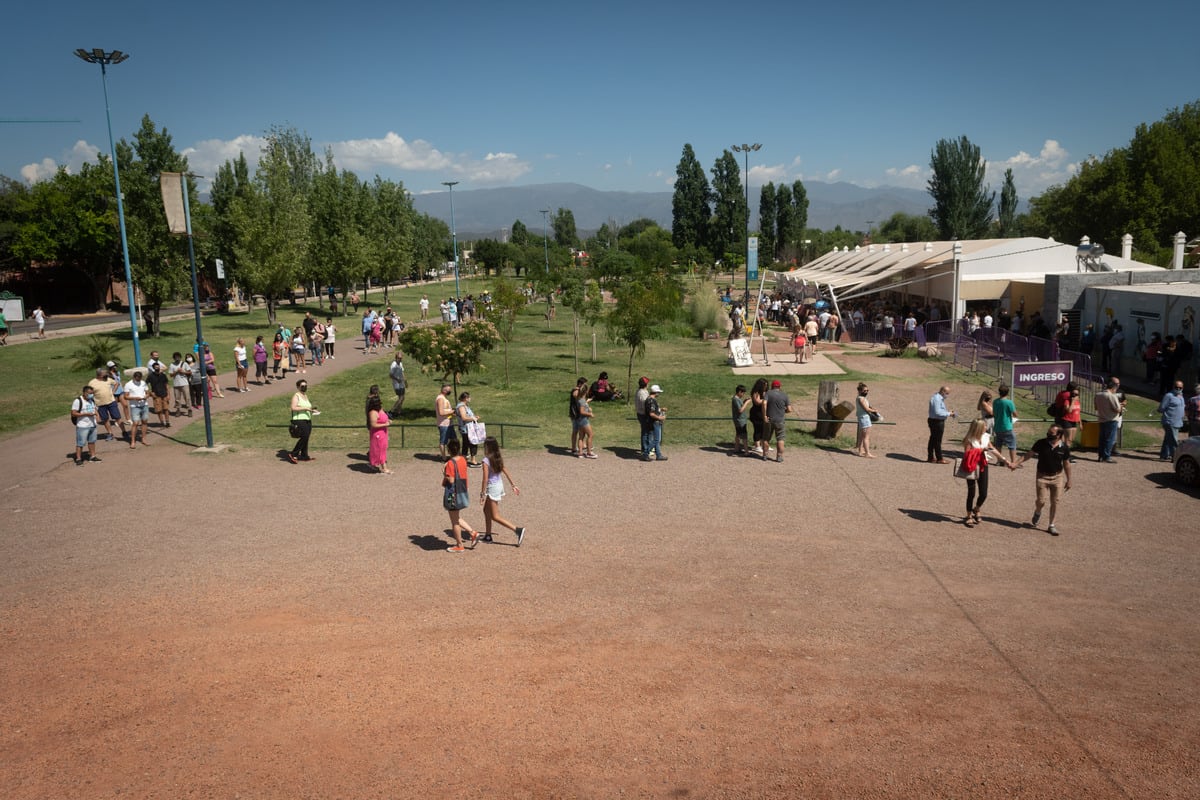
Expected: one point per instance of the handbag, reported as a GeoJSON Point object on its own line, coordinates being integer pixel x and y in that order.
{"type": "Point", "coordinates": [476, 432]}
{"type": "Point", "coordinates": [875, 416]}
{"type": "Point", "coordinates": [964, 474]}
{"type": "Point", "coordinates": [294, 430]}
{"type": "Point", "coordinates": [454, 494]}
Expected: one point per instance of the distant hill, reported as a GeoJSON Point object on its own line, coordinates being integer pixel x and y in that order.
{"type": "Point", "coordinates": [488, 212]}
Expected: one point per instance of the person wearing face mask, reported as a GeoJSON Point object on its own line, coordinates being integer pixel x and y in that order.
{"type": "Point", "coordinates": [1053, 466]}
{"type": "Point", "coordinates": [84, 415]}
{"type": "Point", "coordinates": [1171, 409]}
{"type": "Point", "coordinates": [443, 409]}
{"type": "Point", "coordinates": [302, 414]}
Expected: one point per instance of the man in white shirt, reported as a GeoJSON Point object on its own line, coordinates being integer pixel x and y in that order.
{"type": "Point", "coordinates": [987, 318]}
{"type": "Point", "coordinates": [83, 413]}
{"type": "Point", "coordinates": [179, 373]}
{"type": "Point", "coordinates": [424, 306]}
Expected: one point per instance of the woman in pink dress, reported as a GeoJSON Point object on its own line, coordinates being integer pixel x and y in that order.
{"type": "Point", "coordinates": [377, 424]}
{"type": "Point", "coordinates": [376, 334]}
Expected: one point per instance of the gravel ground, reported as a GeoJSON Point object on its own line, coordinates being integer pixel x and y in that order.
{"type": "Point", "coordinates": [178, 625]}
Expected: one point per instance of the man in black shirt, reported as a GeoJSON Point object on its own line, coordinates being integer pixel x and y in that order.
{"type": "Point", "coordinates": [1053, 465]}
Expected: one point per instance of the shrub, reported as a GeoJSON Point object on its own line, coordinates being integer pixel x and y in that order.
{"type": "Point", "coordinates": [97, 351]}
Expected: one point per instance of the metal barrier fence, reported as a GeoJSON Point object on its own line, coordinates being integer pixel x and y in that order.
{"type": "Point", "coordinates": [423, 426]}
{"type": "Point", "coordinates": [993, 351]}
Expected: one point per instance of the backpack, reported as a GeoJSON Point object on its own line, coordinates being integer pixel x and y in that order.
{"type": "Point", "coordinates": [573, 410]}
{"type": "Point", "coordinates": [70, 415]}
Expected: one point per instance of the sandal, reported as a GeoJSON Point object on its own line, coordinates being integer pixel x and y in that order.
{"type": "Point", "coordinates": [970, 523]}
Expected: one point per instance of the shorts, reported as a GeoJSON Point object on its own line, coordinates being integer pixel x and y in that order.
{"type": "Point", "coordinates": [111, 411]}
{"type": "Point", "coordinates": [779, 429]}
{"type": "Point", "coordinates": [161, 404]}
{"type": "Point", "coordinates": [139, 413]}
{"type": "Point", "coordinates": [495, 490]}
{"type": "Point", "coordinates": [1067, 425]}
{"type": "Point", "coordinates": [242, 364]}
{"type": "Point", "coordinates": [445, 434]}
{"type": "Point", "coordinates": [864, 422]}
{"type": "Point", "coordinates": [85, 436]}
{"type": "Point", "coordinates": [1006, 439]}
{"type": "Point", "coordinates": [739, 431]}
{"type": "Point", "coordinates": [212, 372]}
{"type": "Point", "coordinates": [577, 422]}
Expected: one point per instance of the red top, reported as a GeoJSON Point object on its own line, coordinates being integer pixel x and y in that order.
{"type": "Point", "coordinates": [1072, 407]}
{"type": "Point", "coordinates": [455, 468]}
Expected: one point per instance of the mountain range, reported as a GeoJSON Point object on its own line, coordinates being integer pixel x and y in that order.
{"type": "Point", "coordinates": [491, 212]}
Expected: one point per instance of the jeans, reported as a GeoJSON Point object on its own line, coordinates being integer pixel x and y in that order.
{"type": "Point", "coordinates": [647, 435]}
{"type": "Point", "coordinates": [656, 439]}
{"type": "Point", "coordinates": [1170, 441]}
{"type": "Point", "coordinates": [1108, 439]}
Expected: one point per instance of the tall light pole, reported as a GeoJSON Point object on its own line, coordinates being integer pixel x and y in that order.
{"type": "Point", "coordinates": [546, 237]}
{"type": "Point", "coordinates": [747, 148]}
{"type": "Point", "coordinates": [98, 56]}
{"type": "Point", "coordinates": [453, 234]}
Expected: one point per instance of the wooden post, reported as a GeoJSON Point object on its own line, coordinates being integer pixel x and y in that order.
{"type": "Point", "coordinates": [827, 408]}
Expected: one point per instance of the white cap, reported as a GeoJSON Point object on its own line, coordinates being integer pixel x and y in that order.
{"type": "Point", "coordinates": [656, 389]}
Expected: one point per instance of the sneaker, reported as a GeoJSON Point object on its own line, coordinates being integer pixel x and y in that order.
{"type": "Point", "coordinates": [520, 536]}
{"type": "Point", "coordinates": [487, 537]}
{"type": "Point", "coordinates": [291, 458]}
{"type": "Point", "coordinates": [94, 460]}
{"type": "Point", "coordinates": [1052, 531]}
{"type": "Point", "coordinates": [644, 458]}
{"type": "Point", "coordinates": [779, 459]}
{"type": "Point", "coordinates": [660, 458]}
{"type": "Point", "coordinates": [590, 454]}
{"type": "Point", "coordinates": [79, 462]}
{"type": "Point", "coordinates": [109, 437]}
{"type": "Point", "coordinates": [1037, 515]}
{"type": "Point", "coordinates": [456, 548]}
{"type": "Point", "coordinates": [309, 458]}
{"type": "Point", "coordinates": [474, 539]}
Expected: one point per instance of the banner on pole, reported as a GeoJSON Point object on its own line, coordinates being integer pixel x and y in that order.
{"type": "Point", "coordinates": [220, 269]}
{"type": "Point", "coordinates": [752, 258]}
{"type": "Point", "coordinates": [172, 195]}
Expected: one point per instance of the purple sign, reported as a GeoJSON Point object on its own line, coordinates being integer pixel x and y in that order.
{"type": "Point", "coordinates": [1028, 374]}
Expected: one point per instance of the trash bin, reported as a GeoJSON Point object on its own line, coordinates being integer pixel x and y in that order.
{"type": "Point", "coordinates": [1089, 436]}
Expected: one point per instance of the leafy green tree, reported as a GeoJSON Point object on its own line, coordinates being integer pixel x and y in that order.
{"type": "Point", "coordinates": [273, 225]}
{"type": "Point", "coordinates": [783, 224]}
{"type": "Point", "coordinates": [901, 227]}
{"type": "Point", "coordinates": [390, 227]}
{"type": "Point", "coordinates": [642, 303]}
{"type": "Point", "coordinates": [690, 203]}
{"type": "Point", "coordinates": [766, 224]}
{"type": "Point", "coordinates": [340, 248]}
{"type": "Point", "coordinates": [563, 225]}
{"type": "Point", "coordinates": [1006, 219]}
{"type": "Point", "coordinates": [727, 229]}
{"type": "Point", "coordinates": [652, 247]}
{"type": "Point", "coordinates": [231, 180]}
{"type": "Point", "coordinates": [431, 243]}
{"type": "Point", "coordinates": [799, 221]}
{"type": "Point", "coordinates": [450, 352]}
{"type": "Point", "coordinates": [507, 302]}
{"type": "Point", "coordinates": [520, 233]}
{"type": "Point", "coordinates": [962, 205]}
{"type": "Point", "coordinates": [491, 254]}
{"type": "Point", "coordinates": [582, 295]}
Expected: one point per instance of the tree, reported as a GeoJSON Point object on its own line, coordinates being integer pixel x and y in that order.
{"type": "Point", "coordinates": [563, 225]}
{"type": "Point", "coordinates": [783, 224]}
{"type": "Point", "coordinates": [232, 180]}
{"type": "Point", "coordinates": [962, 205]}
{"type": "Point", "coordinates": [727, 229]}
{"type": "Point", "coordinates": [450, 352]}
{"type": "Point", "coordinates": [766, 223]}
{"type": "Point", "coordinates": [390, 230]}
{"type": "Point", "coordinates": [520, 234]}
{"type": "Point", "coordinates": [491, 254]}
{"type": "Point", "coordinates": [507, 302]}
{"type": "Point", "coordinates": [1008, 207]}
{"type": "Point", "coordinates": [584, 298]}
{"type": "Point", "coordinates": [901, 227]}
{"type": "Point", "coordinates": [690, 203]}
{"type": "Point", "coordinates": [641, 303]}
{"type": "Point", "coordinates": [795, 233]}
{"type": "Point", "coordinates": [341, 250]}
{"type": "Point", "coordinates": [273, 225]}
{"type": "Point", "coordinates": [431, 243]}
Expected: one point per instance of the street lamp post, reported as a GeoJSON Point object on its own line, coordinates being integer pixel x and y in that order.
{"type": "Point", "coordinates": [453, 234]}
{"type": "Point", "coordinates": [747, 148]}
{"type": "Point", "coordinates": [98, 56]}
{"type": "Point", "coordinates": [546, 237]}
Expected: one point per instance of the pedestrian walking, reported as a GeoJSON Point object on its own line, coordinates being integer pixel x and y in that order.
{"type": "Point", "coordinates": [976, 446]}
{"type": "Point", "coordinates": [399, 383]}
{"type": "Point", "coordinates": [1171, 409]}
{"type": "Point", "coordinates": [1053, 473]}
{"type": "Point", "coordinates": [456, 496]}
{"type": "Point", "coordinates": [301, 427]}
{"type": "Point", "coordinates": [494, 475]}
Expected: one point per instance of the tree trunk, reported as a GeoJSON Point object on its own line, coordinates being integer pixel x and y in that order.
{"type": "Point", "coordinates": [271, 309]}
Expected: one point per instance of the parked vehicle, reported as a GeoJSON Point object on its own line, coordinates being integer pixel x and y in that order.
{"type": "Point", "coordinates": [1187, 461]}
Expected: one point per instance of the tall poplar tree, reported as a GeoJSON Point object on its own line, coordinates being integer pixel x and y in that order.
{"type": "Point", "coordinates": [727, 228]}
{"type": "Point", "coordinates": [785, 222]}
{"type": "Point", "coordinates": [962, 205]}
{"type": "Point", "coordinates": [767, 247]}
{"type": "Point", "coordinates": [690, 203]}
{"type": "Point", "coordinates": [1008, 207]}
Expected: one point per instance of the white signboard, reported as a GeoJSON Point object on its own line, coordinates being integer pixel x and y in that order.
{"type": "Point", "coordinates": [220, 269]}
{"type": "Point", "coordinates": [739, 351]}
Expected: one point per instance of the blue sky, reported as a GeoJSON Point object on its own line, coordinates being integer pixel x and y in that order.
{"type": "Point", "coordinates": [602, 94]}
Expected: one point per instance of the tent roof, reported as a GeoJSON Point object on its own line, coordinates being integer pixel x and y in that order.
{"type": "Point", "coordinates": [1027, 259]}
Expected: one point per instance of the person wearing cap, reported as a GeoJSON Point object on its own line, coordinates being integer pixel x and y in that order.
{"type": "Point", "coordinates": [107, 408]}
{"type": "Point", "coordinates": [778, 407]}
{"type": "Point", "coordinates": [639, 408]}
{"type": "Point", "coordinates": [656, 415]}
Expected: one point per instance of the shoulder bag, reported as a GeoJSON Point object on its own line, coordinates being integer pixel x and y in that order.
{"type": "Point", "coordinates": [454, 494]}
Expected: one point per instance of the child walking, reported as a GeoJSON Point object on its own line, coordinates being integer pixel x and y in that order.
{"type": "Point", "coordinates": [454, 471]}
{"type": "Point", "coordinates": [494, 474]}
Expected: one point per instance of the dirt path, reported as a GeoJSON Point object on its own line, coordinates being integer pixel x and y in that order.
{"type": "Point", "coordinates": [222, 626]}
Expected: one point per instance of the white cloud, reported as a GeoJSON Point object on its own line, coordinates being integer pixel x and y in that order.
{"type": "Point", "coordinates": [1034, 174]}
{"type": "Point", "coordinates": [910, 177]}
{"type": "Point", "coordinates": [205, 157]}
{"type": "Point", "coordinates": [80, 153]}
{"type": "Point", "coordinates": [607, 167]}
{"type": "Point", "coordinates": [763, 173]}
{"type": "Point", "coordinates": [366, 156]}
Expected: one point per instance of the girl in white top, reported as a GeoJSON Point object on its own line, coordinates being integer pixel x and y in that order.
{"type": "Point", "coordinates": [494, 475]}
{"type": "Point", "coordinates": [239, 360]}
